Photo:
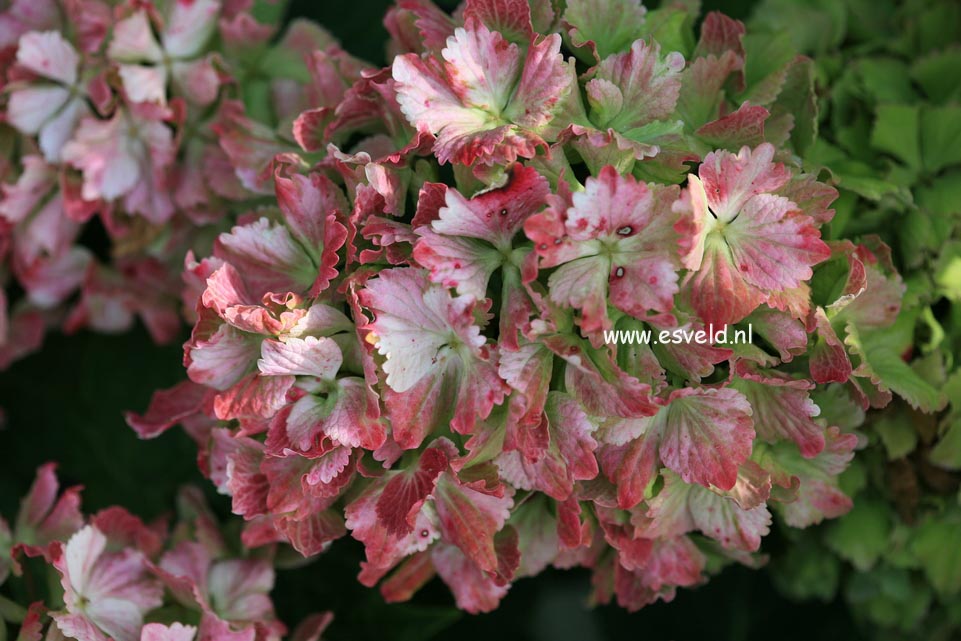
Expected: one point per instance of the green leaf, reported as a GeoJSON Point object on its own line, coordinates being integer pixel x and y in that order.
{"type": "Point", "coordinates": [888, 80]}
{"type": "Point", "coordinates": [283, 62]}
{"type": "Point", "coordinates": [838, 407]}
{"type": "Point", "coordinates": [257, 100]}
{"type": "Point", "coordinates": [917, 237]}
{"type": "Point", "coordinates": [797, 99]}
{"type": "Point", "coordinates": [814, 26]}
{"type": "Point", "coordinates": [939, 25]}
{"type": "Point", "coordinates": [882, 362]}
{"type": "Point", "coordinates": [844, 208]}
{"type": "Point", "coordinates": [890, 597]}
{"type": "Point", "coordinates": [613, 28]}
{"type": "Point", "coordinates": [672, 28]}
{"type": "Point", "coordinates": [851, 174]}
{"type": "Point", "coordinates": [806, 572]}
{"type": "Point", "coordinates": [947, 452]}
{"type": "Point", "coordinates": [854, 478]}
{"type": "Point", "coordinates": [939, 75]}
{"type": "Point", "coordinates": [896, 132]}
{"type": "Point", "coordinates": [936, 545]}
{"type": "Point", "coordinates": [829, 280]}
{"type": "Point", "coordinates": [941, 137]}
{"type": "Point", "coordinates": [861, 535]}
{"type": "Point", "coordinates": [942, 198]}
{"type": "Point", "coordinates": [269, 11]}
{"type": "Point", "coordinates": [654, 132]}
{"type": "Point", "coordinates": [871, 20]}
{"type": "Point", "coordinates": [935, 332]}
{"type": "Point", "coordinates": [897, 434]}
{"type": "Point", "coordinates": [766, 56]}
{"type": "Point", "coordinates": [10, 611]}
{"type": "Point", "coordinates": [947, 271]}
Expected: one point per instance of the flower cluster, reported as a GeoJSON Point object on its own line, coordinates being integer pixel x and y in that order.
{"type": "Point", "coordinates": [111, 576]}
{"type": "Point", "coordinates": [412, 345]}
{"type": "Point", "coordinates": [122, 151]}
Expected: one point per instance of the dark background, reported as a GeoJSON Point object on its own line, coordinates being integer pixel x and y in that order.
{"type": "Point", "coordinates": [65, 403]}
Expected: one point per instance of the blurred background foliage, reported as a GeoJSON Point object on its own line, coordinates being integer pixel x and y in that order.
{"type": "Point", "coordinates": [66, 402]}
{"type": "Point", "coordinates": [889, 78]}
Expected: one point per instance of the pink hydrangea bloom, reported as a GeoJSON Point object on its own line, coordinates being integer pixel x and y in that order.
{"type": "Point", "coordinates": [123, 103]}
{"type": "Point", "coordinates": [440, 380]}
{"type": "Point", "coordinates": [51, 107]}
{"type": "Point", "coordinates": [147, 66]}
{"type": "Point", "coordinates": [118, 573]}
{"type": "Point", "coordinates": [417, 290]}
{"type": "Point", "coordinates": [485, 98]}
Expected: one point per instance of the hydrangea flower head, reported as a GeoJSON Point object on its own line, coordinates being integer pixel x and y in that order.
{"type": "Point", "coordinates": [425, 343]}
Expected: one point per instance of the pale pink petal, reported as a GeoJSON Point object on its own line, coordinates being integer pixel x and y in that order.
{"type": "Point", "coordinates": [133, 40]}
{"type": "Point", "coordinates": [415, 324]}
{"type": "Point", "coordinates": [309, 356]}
{"type": "Point", "coordinates": [223, 359]}
{"type": "Point", "coordinates": [20, 199]}
{"type": "Point", "coordinates": [635, 88]}
{"type": "Point", "coordinates": [113, 154]}
{"type": "Point", "coordinates": [510, 17]}
{"type": "Point", "coordinates": [173, 632]}
{"type": "Point", "coordinates": [496, 215]}
{"type": "Point", "coordinates": [469, 101]}
{"type": "Point", "coordinates": [167, 408]}
{"type": "Point", "coordinates": [782, 409]}
{"type": "Point", "coordinates": [77, 626]}
{"type": "Point", "coordinates": [772, 245]}
{"type": "Point", "coordinates": [144, 84]}
{"type": "Point", "coordinates": [47, 54]}
{"type": "Point", "coordinates": [469, 519]}
{"type": "Point", "coordinates": [708, 433]}
{"type": "Point", "coordinates": [384, 548]}
{"type": "Point", "coordinates": [239, 589]}
{"type": "Point", "coordinates": [473, 590]}
{"type": "Point", "coordinates": [731, 180]}
{"type": "Point", "coordinates": [197, 80]}
{"type": "Point", "coordinates": [22, 16]}
{"type": "Point", "coordinates": [268, 257]}
{"type": "Point", "coordinates": [189, 27]}
{"type": "Point", "coordinates": [30, 108]}
{"type": "Point", "coordinates": [44, 517]}
{"type": "Point", "coordinates": [461, 263]}
{"type": "Point", "coordinates": [724, 521]}
{"type": "Point", "coordinates": [57, 131]}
